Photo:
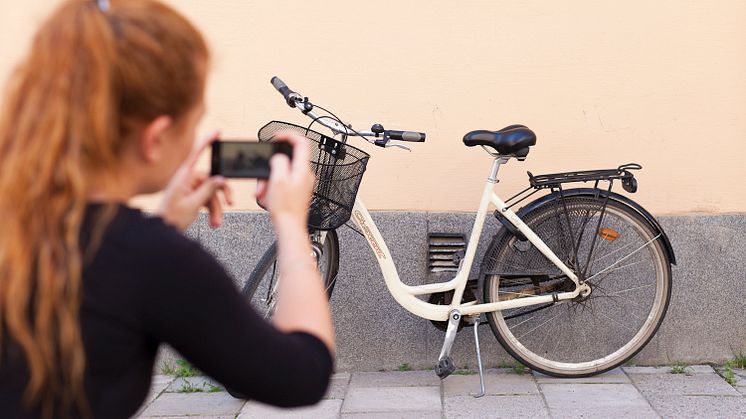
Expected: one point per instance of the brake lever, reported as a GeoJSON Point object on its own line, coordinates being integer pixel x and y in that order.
{"type": "Point", "coordinates": [398, 145]}
{"type": "Point", "coordinates": [384, 142]}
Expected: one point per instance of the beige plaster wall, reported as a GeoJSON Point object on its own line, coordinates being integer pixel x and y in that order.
{"type": "Point", "coordinates": [600, 82]}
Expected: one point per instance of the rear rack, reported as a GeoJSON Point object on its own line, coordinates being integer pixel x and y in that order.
{"type": "Point", "coordinates": [552, 180]}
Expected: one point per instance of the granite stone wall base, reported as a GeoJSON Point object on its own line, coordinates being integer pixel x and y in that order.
{"type": "Point", "coordinates": [705, 320]}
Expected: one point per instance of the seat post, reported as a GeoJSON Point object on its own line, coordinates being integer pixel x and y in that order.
{"type": "Point", "coordinates": [496, 167]}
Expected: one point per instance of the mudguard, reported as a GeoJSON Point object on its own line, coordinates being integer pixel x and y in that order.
{"type": "Point", "coordinates": [591, 192]}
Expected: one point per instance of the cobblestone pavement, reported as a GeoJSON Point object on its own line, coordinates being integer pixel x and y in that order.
{"type": "Point", "coordinates": [629, 392]}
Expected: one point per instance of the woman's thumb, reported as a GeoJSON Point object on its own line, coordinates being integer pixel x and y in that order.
{"type": "Point", "coordinates": [279, 166]}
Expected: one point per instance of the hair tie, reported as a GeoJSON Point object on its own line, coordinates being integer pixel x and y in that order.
{"type": "Point", "coordinates": [103, 5]}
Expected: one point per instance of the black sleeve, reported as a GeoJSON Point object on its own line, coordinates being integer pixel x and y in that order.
{"type": "Point", "coordinates": [194, 306]}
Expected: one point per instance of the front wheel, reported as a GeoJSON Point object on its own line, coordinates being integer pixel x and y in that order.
{"type": "Point", "coordinates": [610, 247]}
{"type": "Point", "coordinates": [262, 285]}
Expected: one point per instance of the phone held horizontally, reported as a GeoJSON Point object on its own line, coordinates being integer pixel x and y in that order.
{"type": "Point", "coordinates": [245, 159]}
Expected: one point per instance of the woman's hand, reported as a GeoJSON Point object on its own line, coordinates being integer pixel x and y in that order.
{"type": "Point", "coordinates": [287, 193]}
{"type": "Point", "coordinates": [189, 190]}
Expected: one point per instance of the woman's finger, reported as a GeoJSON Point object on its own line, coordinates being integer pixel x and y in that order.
{"type": "Point", "coordinates": [261, 193]}
{"type": "Point", "coordinates": [261, 188]}
{"type": "Point", "coordinates": [279, 167]}
{"type": "Point", "coordinates": [206, 191]}
{"type": "Point", "coordinates": [216, 211]}
{"type": "Point", "coordinates": [200, 146]}
{"type": "Point", "coordinates": [198, 178]}
{"type": "Point", "coordinates": [301, 150]}
{"type": "Point", "coordinates": [228, 194]}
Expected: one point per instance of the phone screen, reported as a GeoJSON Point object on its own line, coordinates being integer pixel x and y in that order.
{"type": "Point", "coordinates": [241, 159]}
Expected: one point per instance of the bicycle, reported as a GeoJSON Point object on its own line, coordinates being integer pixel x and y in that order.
{"type": "Point", "coordinates": [574, 284]}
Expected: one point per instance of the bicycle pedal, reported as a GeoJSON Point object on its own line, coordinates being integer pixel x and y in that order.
{"type": "Point", "coordinates": [445, 367]}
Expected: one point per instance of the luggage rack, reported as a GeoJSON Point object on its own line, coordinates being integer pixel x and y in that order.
{"type": "Point", "coordinates": [553, 180]}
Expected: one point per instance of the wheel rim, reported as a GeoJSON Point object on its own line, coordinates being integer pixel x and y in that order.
{"type": "Point", "coordinates": [595, 333]}
{"type": "Point", "coordinates": [264, 297]}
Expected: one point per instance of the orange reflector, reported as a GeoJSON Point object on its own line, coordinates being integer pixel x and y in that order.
{"type": "Point", "coordinates": [608, 234]}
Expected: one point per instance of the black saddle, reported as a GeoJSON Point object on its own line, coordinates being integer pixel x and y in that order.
{"type": "Point", "coordinates": [513, 140]}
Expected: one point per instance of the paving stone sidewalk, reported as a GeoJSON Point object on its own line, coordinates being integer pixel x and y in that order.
{"type": "Point", "coordinates": [629, 392]}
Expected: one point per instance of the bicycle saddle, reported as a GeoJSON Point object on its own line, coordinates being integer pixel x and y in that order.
{"type": "Point", "coordinates": [513, 140]}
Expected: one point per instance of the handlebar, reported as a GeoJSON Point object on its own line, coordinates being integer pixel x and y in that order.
{"type": "Point", "coordinates": [292, 98]}
{"type": "Point", "coordinates": [411, 136]}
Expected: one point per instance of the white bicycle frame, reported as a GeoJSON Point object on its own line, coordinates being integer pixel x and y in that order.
{"type": "Point", "coordinates": [406, 295]}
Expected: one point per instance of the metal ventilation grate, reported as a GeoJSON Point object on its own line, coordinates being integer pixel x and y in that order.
{"type": "Point", "coordinates": [445, 251]}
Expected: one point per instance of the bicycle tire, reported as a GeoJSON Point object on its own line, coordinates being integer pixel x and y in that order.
{"type": "Point", "coordinates": [265, 275]}
{"type": "Point", "coordinates": [574, 343]}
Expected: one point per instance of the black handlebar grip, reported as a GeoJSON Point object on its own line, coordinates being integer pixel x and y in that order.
{"type": "Point", "coordinates": [284, 90]}
{"type": "Point", "coordinates": [411, 136]}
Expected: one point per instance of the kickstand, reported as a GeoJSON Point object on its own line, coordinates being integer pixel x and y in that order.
{"type": "Point", "coordinates": [479, 360]}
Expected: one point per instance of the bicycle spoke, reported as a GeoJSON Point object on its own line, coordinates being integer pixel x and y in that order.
{"type": "Point", "coordinates": [606, 275]}
{"type": "Point", "coordinates": [625, 258]}
{"type": "Point", "coordinates": [556, 341]}
{"type": "Point", "coordinates": [530, 331]}
{"type": "Point", "coordinates": [544, 337]}
{"type": "Point", "coordinates": [614, 251]}
{"type": "Point", "coordinates": [617, 322]}
{"type": "Point", "coordinates": [524, 321]}
{"type": "Point", "coordinates": [631, 289]}
{"type": "Point", "coordinates": [620, 299]}
{"type": "Point", "coordinates": [585, 336]}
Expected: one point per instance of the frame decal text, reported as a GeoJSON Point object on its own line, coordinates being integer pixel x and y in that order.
{"type": "Point", "coordinates": [369, 235]}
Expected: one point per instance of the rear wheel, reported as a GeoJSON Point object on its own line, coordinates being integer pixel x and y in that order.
{"type": "Point", "coordinates": [611, 248]}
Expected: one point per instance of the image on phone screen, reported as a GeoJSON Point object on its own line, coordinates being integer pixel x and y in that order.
{"type": "Point", "coordinates": [245, 159]}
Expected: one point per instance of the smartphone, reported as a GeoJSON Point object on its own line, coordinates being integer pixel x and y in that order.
{"type": "Point", "coordinates": [244, 158]}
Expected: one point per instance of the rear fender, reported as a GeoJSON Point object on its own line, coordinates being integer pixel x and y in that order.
{"type": "Point", "coordinates": [590, 192]}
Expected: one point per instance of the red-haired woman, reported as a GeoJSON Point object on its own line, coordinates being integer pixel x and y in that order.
{"type": "Point", "coordinates": [103, 108]}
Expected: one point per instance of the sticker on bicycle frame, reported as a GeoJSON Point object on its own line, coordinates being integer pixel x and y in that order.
{"type": "Point", "coordinates": [608, 234]}
{"type": "Point", "coordinates": [369, 235]}
{"type": "Point", "coordinates": [332, 146]}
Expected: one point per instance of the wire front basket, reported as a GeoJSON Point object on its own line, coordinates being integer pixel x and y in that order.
{"type": "Point", "coordinates": [339, 168]}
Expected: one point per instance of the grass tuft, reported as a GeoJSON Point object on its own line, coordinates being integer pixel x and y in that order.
{"type": "Point", "coordinates": [464, 372]}
{"type": "Point", "coordinates": [185, 369]}
{"type": "Point", "coordinates": [212, 388]}
{"type": "Point", "coordinates": [167, 368]}
{"type": "Point", "coordinates": [681, 368]}
{"type": "Point", "coordinates": [405, 367]}
{"type": "Point", "coordinates": [740, 360]}
{"type": "Point", "coordinates": [188, 387]}
{"type": "Point", "coordinates": [727, 373]}
{"type": "Point", "coordinates": [518, 369]}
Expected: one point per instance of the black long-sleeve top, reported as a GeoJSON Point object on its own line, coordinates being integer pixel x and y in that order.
{"type": "Point", "coordinates": [148, 284]}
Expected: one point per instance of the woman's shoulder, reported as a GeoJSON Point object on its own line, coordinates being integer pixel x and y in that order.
{"type": "Point", "coordinates": [140, 233]}
{"type": "Point", "coordinates": [158, 254]}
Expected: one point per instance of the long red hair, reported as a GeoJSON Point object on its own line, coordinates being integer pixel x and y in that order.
{"type": "Point", "coordinates": [90, 78]}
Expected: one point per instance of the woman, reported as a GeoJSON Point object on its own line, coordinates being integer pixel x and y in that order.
{"type": "Point", "coordinates": [104, 108]}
